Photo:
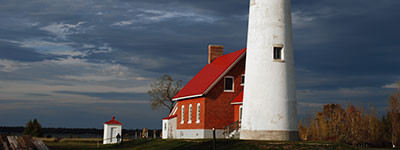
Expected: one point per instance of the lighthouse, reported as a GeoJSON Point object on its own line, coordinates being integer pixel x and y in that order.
{"type": "Point", "coordinates": [269, 104]}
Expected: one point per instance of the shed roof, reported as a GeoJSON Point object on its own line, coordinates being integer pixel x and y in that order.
{"type": "Point", "coordinates": [170, 117]}
{"type": "Point", "coordinates": [238, 99]}
{"type": "Point", "coordinates": [113, 121]}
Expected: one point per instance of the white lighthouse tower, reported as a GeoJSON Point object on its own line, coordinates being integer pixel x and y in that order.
{"type": "Point", "coordinates": [269, 104]}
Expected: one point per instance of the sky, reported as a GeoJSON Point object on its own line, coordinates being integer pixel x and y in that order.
{"type": "Point", "coordinates": [76, 63]}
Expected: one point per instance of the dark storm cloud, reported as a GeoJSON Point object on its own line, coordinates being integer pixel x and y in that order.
{"type": "Point", "coordinates": [35, 94]}
{"type": "Point", "coordinates": [345, 51]}
{"type": "Point", "coordinates": [177, 37]}
{"type": "Point", "coordinates": [351, 42]}
{"type": "Point", "coordinates": [109, 95]}
{"type": "Point", "coordinates": [61, 115]}
{"type": "Point", "coordinates": [12, 51]}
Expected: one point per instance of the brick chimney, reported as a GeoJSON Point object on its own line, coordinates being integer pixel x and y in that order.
{"type": "Point", "coordinates": [214, 51]}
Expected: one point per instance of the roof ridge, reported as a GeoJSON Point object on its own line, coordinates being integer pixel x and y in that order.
{"type": "Point", "coordinates": [238, 98]}
{"type": "Point", "coordinates": [204, 80]}
{"type": "Point", "coordinates": [113, 121]}
{"type": "Point", "coordinates": [226, 55]}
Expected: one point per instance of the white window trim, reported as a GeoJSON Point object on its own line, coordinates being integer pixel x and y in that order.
{"type": "Point", "coordinates": [183, 114]}
{"type": "Point", "coordinates": [241, 80]}
{"type": "Point", "coordinates": [198, 113]}
{"type": "Point", "coordinates": [174, 111]}
{"type": "Point", "coordinates": [190, 114]}
{"type": "Point", "coordinates": [233, 84]}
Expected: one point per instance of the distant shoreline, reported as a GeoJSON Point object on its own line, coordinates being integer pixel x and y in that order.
{"type": "Point", "coordinates": [69, 132]}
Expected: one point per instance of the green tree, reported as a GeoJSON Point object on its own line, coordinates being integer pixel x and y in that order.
{"type": "Point", "coordinates": [33, 128]}
{"type": "Point", "coordinates": [162, 91]}
{"type": "Point", "coordinates": [37, 129]}
{"type": "Point", "coordinates": [29, 128]}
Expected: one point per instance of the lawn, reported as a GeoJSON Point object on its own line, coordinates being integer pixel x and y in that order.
{"type": "Point", "coordinates": [200, 145]}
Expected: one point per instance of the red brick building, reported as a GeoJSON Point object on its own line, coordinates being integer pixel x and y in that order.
{"type": "Point", "coordinates": [212, 99]}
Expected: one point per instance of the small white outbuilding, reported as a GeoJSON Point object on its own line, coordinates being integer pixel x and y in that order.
{"type": "Point", "coordinates": [111, 129]}
{"type": "Point", "coordinates": [169, 127]}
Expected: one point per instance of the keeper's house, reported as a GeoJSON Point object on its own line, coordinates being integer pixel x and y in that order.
{"type": "Point", "coordinates": [212, 99]}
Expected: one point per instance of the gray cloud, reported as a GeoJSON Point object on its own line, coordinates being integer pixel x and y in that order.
{"type": "Point", "coordinates": [93, 53]}
{"type": "Point", "coordinates": [110, 95]}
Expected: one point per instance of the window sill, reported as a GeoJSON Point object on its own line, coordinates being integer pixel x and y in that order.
{"type": "Point", "coordinates": [182, 122]}
{"type": "Point", "coordinates": [241, 84]}
{"type": "Point", "coordinates": [190, 122]}
{"type": "Point", "coordinates": [278, 60]}
{"type": "Point", "coordinates": [229, 91]}
{"type": "Point", "coordinates": [198, 121]}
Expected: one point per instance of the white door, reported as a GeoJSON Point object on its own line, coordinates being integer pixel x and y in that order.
{"type": "Point", "coordinates": [113, 134]}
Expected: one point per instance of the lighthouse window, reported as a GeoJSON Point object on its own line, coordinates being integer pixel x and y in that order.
{"type": "Point", "coordinates": [229, 84]}
{"type": "Point", "coordinates": [278, 53]}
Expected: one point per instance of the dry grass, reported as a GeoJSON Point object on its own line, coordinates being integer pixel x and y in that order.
{"type": "Point", "coordinates": [80, 140]}
{"type": "Point", "coordinates": [222, 144]}
{"type": "Point", "coordinates": [47, 140]}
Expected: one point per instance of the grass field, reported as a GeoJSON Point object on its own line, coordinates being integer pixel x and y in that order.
{"type": "Point", "coordinates": [198, 145]}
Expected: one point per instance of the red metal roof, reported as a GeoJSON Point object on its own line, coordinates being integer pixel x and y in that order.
{"type": "Point", "coordinates": [200, 83]}
{"type": "Point", "coordinates": [113, 121]}
{"type": "Point", "coordinates": [170, 117]}
{"type": "Point", "coordinates": [238, 99]}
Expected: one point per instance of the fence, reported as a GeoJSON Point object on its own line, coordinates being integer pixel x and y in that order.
{"type": "Point", "coordinates": [21, 143]}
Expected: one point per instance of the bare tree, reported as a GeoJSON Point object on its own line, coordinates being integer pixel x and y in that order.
{"type": "Point", "coordinates": [394, 110]}
{"type": "Point", "coordinates": [162, 91]}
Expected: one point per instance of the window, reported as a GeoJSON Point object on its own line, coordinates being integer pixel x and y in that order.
{"type": "Point", "coordinates": [242, 83]}
{"type": "Point", "coordinates": [240, 113]}
{"type": "Point", "coordinates": [198, 113]}
{"type": "Point", "coordinates": [182, 114]}
{"type": "Point", "coordinates": [165, 126]}
{"type": "Point", "coordinates": [229, 85]}
{"type": "Point", "coordinates": [190, 114]}
{"type": "Point", "coordinates": [278, 55]}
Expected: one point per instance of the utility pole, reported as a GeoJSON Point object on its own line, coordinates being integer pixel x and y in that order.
{"type": "Point", "coordinates": [214, 140]}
